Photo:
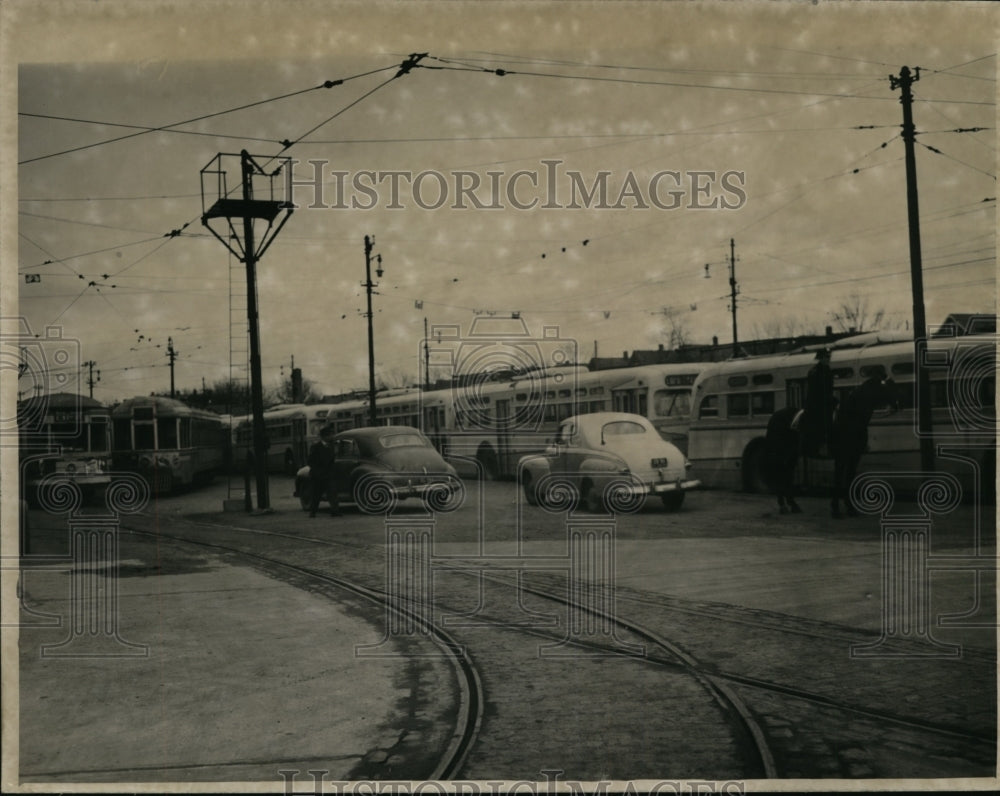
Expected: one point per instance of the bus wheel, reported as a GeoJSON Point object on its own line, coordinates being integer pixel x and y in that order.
{"type": "Point", "coordinates": [753, 469]}
{"type": "Point", "coordinates": [672, 501]}
{"type": "Point", "coordinates": [488, 462]}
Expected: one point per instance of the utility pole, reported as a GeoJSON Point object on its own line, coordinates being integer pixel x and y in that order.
{"type": "Point", "coordinates": [369, 285]}
{"type": "Point", "coordinates": [256, 385]}
{"type": "Point", "coordinates": [733, 291]}
{"type": "Point", "coordinates": [91, 381]}
{"type": "Point", "coordinates": [427, 358]}
{"type": "Point", "coordinates": [171, 355]}
{"type": "Point", "coordinates": [278, 203]}
{"type": "Point", "coordinates": [297, 391]}
{"type": "Point", "coordinates": [924, 423]}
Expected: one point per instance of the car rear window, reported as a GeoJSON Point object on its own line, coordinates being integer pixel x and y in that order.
{"type": "Point", "coordinates": [401, 440]}
{"type": "Point", "coordinates": [622, 427]}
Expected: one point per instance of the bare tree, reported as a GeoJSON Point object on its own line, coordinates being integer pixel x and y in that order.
{"type": "Point", "coordinates": [783, 326]}
{"type": "Point", "coordinates": [856, 313]}
{"type": "Point", "coordinates": [284, 393]}
{"type": "Point", "coordinates": [393, 379]}
{"type": "Point", "coordinates": [675, 329]}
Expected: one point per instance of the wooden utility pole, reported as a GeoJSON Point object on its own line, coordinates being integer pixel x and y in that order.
{"type": "Point", "coordinates": [924, 422]}
{"type": "Point", "coordinates": [278, 203]}
{"type": "Point", "coordinates": [733, 291]}
{"type": "Point", "coordinates": [369, 285]}
{"type": "Point", "coordinates": [91, 381]}
{"type": "Point", "coordinates": [172, 356]}
{"type": "Point", "coordinates": [256, 386]}
{"type": "Point", "coordinates": [427, 358]}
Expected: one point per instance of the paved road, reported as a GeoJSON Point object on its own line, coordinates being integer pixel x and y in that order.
{"type": "Point", "coordinates": [769, 606]}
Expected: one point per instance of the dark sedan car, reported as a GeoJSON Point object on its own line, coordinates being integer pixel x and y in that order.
{"type": "Point", "coordinates": [377, 466]}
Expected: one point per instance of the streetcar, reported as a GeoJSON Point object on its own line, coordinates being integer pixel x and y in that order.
{"type": "Point", "coordinates": [167, 442]}
{"type": "Point", "coordinates": [64, 434]}
{"type": "Point", "coordinates": [290, 430]}
{"type": "Point", "coordinates": [735, 399]}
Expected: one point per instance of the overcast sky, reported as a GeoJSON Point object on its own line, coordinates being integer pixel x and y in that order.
{"type": "Point", "coordinates": [785, 110]}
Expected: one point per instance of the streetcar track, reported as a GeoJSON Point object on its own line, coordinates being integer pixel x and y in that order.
{"type": "Point", "coordinates": [720, 612]}
{"type": "Point", "coordinates": [767, 685]}
{"type": "Point", "coordinates": [472, 700]}
{"type": "Point", "coordinates": [719, 684]}
{"type": "Point", "coordinates": [721, 693]}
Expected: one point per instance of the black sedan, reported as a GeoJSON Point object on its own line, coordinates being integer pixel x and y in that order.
{"type": "Point", "coordinates": [378, 466]}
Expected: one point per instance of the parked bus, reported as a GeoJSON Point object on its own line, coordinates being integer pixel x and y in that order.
{"type": "Point", "coordinates": [291, 429]}
{"type": "Point", "coordinates": [735, 399]}
{"type": "Point", "coordinates": [167, 442]}
{"type": "Point", "coordinates": [492, 423]}
{"type": "Point", "coordinates": [64, 434]}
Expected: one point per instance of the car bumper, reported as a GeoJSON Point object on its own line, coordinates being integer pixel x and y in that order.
{"type": "Point", "coordinates": [666, 487]}
{"type": "Point", "coordinates": [409, 490]}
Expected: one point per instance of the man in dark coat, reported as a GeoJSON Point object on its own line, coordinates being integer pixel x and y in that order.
{"type": "Point", "coordinates": [819, 405]}
{"type": "Point", "coordinates": [322, 472]}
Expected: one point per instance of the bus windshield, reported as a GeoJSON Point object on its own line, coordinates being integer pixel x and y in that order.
{"type": "Point", "coordinates": [672, 403]}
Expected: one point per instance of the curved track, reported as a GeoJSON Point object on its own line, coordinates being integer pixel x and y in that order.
{"type": "Point", "coordinates": [736, 714]}
{"type": "Point", "coordinates": [471, 699]}
{"type": "Point", "coordinates": [745, 702]}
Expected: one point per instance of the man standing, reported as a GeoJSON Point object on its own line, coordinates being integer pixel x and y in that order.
{"type": "Point", "coordinates": [819, 405]}
{"type": "Point", "coordinates": [322, 472]}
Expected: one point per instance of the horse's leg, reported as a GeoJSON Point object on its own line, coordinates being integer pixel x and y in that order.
{"type": "Point", "coordinates": [851, 471]}
{"type": "Point", "coordinates": [838, 479]}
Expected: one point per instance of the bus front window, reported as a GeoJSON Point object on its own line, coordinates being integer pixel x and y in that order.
{"type": "Point", "coordinates": [672, 403]}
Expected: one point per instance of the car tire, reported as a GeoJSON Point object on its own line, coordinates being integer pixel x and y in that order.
{"type": "Point", "coordinates": [530, 495]}
{"type": "Point", "coordinates": [376, 496]}
{"type": "Point", "coordinates": [672, 501]}
{"type": "Point", "coordinates": [487, 459]}
{"type": "Point", "coordinates": [593, 501]}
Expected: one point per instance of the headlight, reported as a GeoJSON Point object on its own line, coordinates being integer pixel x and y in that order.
{"type": "Point", "coordinates": [71, 468]}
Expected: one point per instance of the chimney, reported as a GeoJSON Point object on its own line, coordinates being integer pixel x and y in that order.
{"type": "Point", "coordinates": [829, 331]}
{"type": "Point", "coordinates": [661, 346]}
{"type": "Point", "coordinates": [715, 340]}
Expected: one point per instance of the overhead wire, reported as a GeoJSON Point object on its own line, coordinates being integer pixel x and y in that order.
{"type": "Point", "coordinates": [145, 131]}
{"type": "Point", "coordinates": [504, 72]}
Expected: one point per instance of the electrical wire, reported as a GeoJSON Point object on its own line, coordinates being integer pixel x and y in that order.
{"type": "Point", "coordinates": [166, 127]}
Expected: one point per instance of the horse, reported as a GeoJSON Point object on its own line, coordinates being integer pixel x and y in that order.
{"type": "Point", "coordinates": [783, 442]}
{"type": "Point", "coordinates": [849, 436]}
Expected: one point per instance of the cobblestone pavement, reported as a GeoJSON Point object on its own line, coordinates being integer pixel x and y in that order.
{"type": "Point", "coordinates": [758, 659]}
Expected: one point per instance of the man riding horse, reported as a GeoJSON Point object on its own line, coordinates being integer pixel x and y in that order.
{"type": "Point", "coordinates": [820, 404]}
{"type": "Point", "coordinates": [792, 432]}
